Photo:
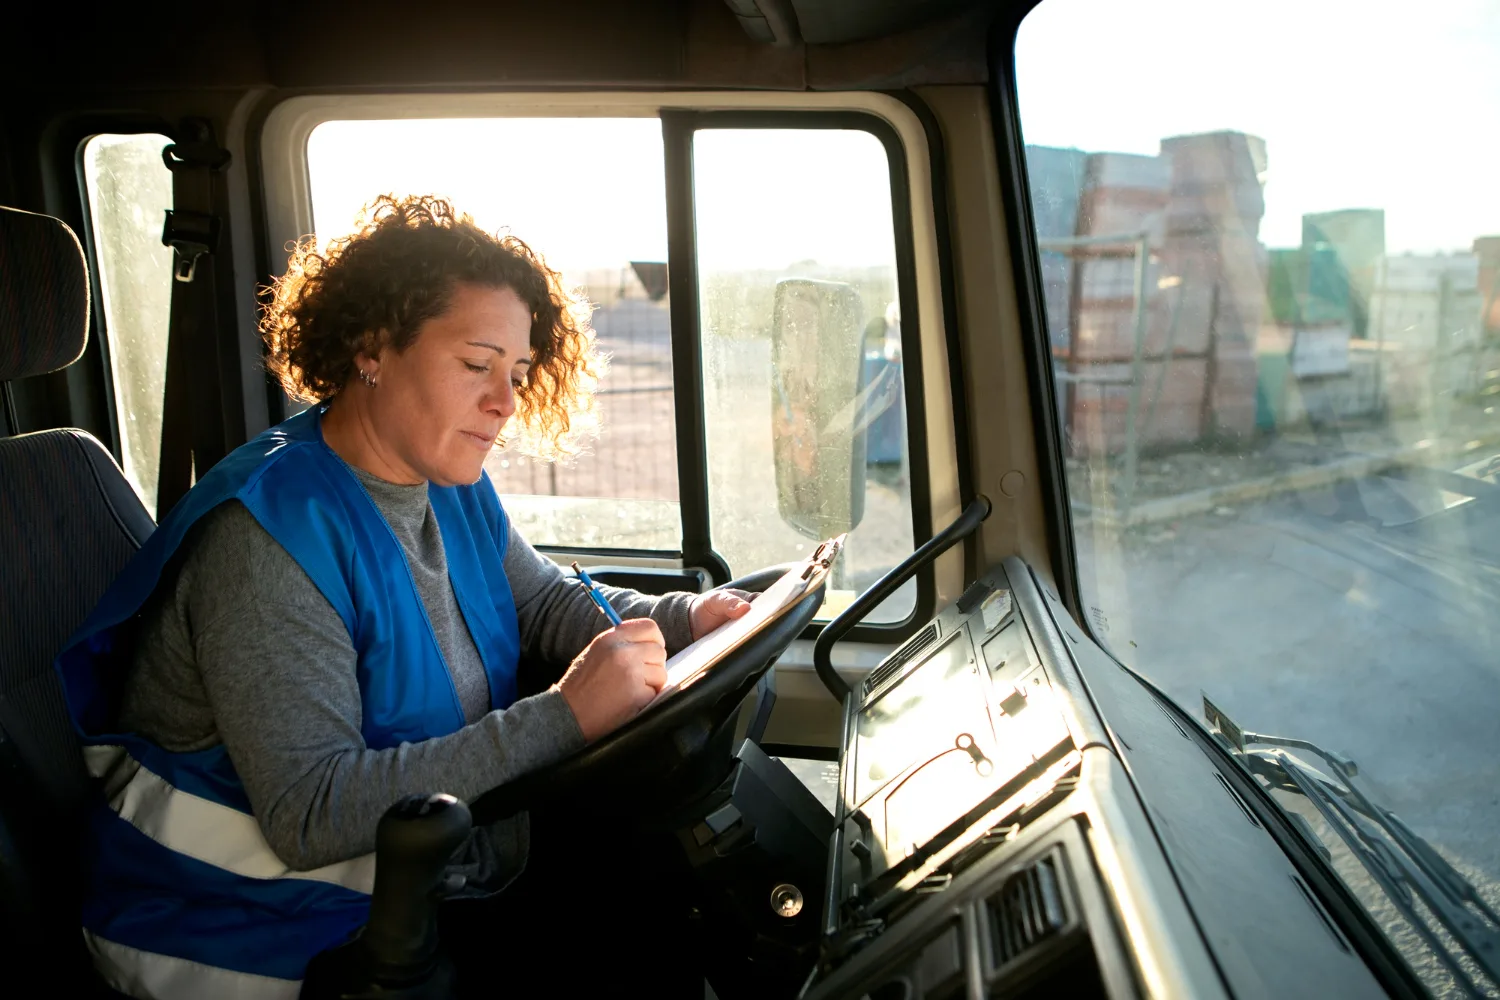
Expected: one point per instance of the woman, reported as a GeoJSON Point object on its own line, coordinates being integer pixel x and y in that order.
{"type": "Point", "coordinates": [333, 617]}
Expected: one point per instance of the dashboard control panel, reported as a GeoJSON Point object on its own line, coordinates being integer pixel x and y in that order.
{"type": "Point", "coordinates": [941, 881]}
{"type": "Point", "coordinates": [959, 721]}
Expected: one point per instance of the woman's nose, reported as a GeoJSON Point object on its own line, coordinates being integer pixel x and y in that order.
{"type": "Point", "coordinates": [502, 401]}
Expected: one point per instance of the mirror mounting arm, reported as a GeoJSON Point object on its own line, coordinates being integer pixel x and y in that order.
{"type": "Point", "coordinates": [962, 527]}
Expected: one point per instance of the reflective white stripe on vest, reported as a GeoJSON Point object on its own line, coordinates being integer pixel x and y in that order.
{"type": "Point", "coordinates": [150, 976]}
{"type": "Point", "coordinates": [197, 828]}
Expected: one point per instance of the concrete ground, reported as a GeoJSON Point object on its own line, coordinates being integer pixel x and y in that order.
{"type": "Point", "coordinates": [1361, 614]}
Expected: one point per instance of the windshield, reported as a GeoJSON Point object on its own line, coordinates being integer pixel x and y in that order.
{"type": "Point", "coordinates": [1270, 252]}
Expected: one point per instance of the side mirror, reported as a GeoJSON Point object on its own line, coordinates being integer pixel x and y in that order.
{"type": "Point", "coordinates": [817, 354]}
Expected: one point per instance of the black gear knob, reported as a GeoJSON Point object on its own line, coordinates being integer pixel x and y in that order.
{"type": "Point", "coordinates": [395, 956]}
{"type": "Point", "coordinates": [414, 842]}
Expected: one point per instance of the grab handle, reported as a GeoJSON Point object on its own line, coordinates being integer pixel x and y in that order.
{"type": "Point", "coordinates": [962, 527]}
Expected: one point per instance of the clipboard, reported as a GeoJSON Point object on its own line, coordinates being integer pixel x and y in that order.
{"type": "Point", "coordinates": [696, 660]}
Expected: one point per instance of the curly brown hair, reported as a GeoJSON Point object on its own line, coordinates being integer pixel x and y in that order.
{"type": "Point", "coordinates": [398, 269]}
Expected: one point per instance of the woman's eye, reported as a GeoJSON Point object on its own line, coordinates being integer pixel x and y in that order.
{"type": "Point", "coordinates": [476, 368]}
{"type": "Point", "coordinates": [519, 383]}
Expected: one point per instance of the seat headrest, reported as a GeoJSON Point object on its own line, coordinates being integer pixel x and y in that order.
{"type": "Point", "coordinates": [44, 295]}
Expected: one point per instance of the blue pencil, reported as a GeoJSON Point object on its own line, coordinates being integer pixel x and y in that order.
{"type": "Point", "coordinates": [597, 596]}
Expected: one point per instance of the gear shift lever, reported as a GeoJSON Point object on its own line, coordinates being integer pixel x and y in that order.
{"type": "Point", "coordinates": [395, 956]}
{"type": "Point", "coordinates": [416, 838]}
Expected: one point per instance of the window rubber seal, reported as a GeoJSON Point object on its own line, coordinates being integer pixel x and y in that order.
{"type": "Point", "coordinates": [1015, 192]}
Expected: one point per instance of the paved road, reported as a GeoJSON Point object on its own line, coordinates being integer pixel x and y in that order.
{"type": "Point", "coordinates": [1364, 617]}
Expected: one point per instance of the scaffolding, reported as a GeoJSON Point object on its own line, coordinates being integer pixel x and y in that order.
{"type": "Point", "coordinates": [1124, 245]}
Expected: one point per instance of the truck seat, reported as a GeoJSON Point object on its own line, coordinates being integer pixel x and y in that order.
{"type": "Point", "coordinates": [69, 521]}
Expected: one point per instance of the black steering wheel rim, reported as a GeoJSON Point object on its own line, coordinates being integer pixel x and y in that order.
{"type": "Point", "coordinates": [687, 720]}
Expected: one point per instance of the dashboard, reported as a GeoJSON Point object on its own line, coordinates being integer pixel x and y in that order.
{"type": "Point", "coordinates": [1019, 816]}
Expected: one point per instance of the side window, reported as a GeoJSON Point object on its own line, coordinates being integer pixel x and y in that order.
{"type": "Point", "coordinates": [589, 194]}
{"type": "Point", "coordinates": [804, 406]}
{"type": "Point", "coordinates": [129, 190]}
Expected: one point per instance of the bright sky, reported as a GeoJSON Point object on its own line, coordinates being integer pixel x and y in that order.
{"type": "Point", "coordinates": [586, 192]}
{"type": "Point", "coordinates": [590, 192]}
{"type": "Point", "coordinates": [1362, 103]}
{"type": "Point", "coordinates": [768, 197]}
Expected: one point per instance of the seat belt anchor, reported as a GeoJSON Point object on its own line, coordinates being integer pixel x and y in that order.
{"type": "Point", "coordinates": [201, 154]}
{"type": "Point", "coordinates": [190, 235]}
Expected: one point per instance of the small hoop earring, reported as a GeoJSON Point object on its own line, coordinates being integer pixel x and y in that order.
{"type": "Point", "coordinates": [366, 378]}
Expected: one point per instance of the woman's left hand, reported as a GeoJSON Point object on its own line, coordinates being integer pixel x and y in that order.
{"type": "Point", "coordinates": [709, 611]}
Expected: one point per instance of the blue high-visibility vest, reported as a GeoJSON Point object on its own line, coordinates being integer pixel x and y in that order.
{"type": "Point", "coordinates": [184, 896]}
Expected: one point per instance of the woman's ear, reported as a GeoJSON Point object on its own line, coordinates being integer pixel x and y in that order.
{"type": "Point", "coordinates": [367, 360]}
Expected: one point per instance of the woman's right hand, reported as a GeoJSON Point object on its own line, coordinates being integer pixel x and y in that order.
{"type": "Point", "coordinates": [615, 677]}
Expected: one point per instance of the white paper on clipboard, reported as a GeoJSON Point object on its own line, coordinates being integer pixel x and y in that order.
{"type": "Point", "coordinates": [693, 660]}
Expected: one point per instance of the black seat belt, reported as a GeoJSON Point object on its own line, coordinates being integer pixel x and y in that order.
{"type": "Point", "coordinates": [192, 427]}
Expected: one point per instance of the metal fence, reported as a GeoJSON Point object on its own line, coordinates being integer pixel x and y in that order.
{"type": "Point", "coordinates": [635, 455]}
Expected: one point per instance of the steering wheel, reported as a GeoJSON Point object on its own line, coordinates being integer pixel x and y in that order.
{"type": "Point", "coordinates": [665, 753]}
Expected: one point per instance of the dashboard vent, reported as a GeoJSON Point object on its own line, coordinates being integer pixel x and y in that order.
{"type": "Point", "coordinates": [893, 664]}
{"type": "Point", "coordinates": [1027, 909]}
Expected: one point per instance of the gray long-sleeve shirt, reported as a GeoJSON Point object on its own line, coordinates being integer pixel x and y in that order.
{"type": "Point", "coordinates": [240, 648]}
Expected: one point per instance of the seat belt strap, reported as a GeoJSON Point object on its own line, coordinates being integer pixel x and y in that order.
{"type": "Point", "coordinates": [193, 432]}
{"type": "Point", "coordinates": [12, 421]}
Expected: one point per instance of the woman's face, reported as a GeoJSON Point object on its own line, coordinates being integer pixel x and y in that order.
{"type": "Point", "coordinates": [439, 405]}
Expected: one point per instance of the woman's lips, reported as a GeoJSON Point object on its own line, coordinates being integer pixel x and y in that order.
{"type": "Point", "coordinates": [479, 440]}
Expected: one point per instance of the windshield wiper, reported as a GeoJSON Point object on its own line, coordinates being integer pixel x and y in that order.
{"type": "Point", "coordinates": [1400, 862]}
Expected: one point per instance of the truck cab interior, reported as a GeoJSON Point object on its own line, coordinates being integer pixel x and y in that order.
{"type": "Point", "coordinates": [1147, 354]}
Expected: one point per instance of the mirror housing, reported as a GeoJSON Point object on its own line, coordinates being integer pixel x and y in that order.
{"type": "Point", "coordinates": [817, 355]}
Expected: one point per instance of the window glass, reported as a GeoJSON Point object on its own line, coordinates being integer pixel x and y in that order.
{"type": "Point", "coordinates": [589, 194]}
{"type": "Point", "coordinates": [1272, 274]}
{"type": "Point", "coordinates": [802, 362]}
{"type": "Point", "coordinates": [129, 190]}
